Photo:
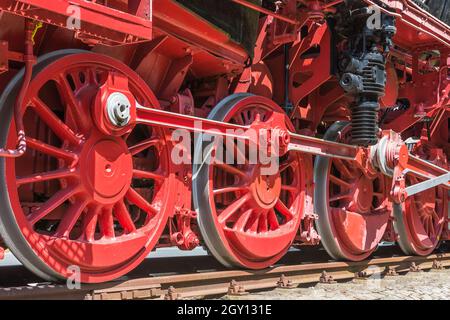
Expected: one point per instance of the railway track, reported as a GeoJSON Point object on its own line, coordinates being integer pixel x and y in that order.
{"type": "Point", "coordinates": [213, 283]}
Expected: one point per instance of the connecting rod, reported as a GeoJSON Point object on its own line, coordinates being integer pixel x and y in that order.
{"type": "Point", "coordinates": [390, 155]}
{"type": "Point", "coordinates": [117, 111]}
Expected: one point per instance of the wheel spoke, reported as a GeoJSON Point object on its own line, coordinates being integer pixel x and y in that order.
{"type": "Point", "coordinates": [232, 208]}
{"type": "Point", "coordinates": [273, 220]}
{"type": "Point", "coordinates": [263, 225]}
{"type": "Point", "coordinates": [50, 150]}
{"type": "Point", "coordinates": [436, 218]}
{"type": "Point", "coordinates": [144, 145]}
{"type": "Point", "coordinates": [432, 229]}
{"type": "Point", "coordinates": [54, 202]}
{"type": "Point", "coordinates": [55, 124]}
{"type": "Point", "coordinates": [254, 222]}
{"type": "Point", "coordinates": [230, 169]}
{"type": "Point", "coordinates": [242, 221]}
{"type": "Point", "coordinates": [281, 207]}
{"type": "Point", "coordinates": [340, 196]}
{"type": "Point", "coordinates": [135, 198]}
{"type": "Point", "coordinates": [246, 118]}
{"type": "Point", "coordinates": [378, 211]}
{"type": "Point", "coordinates": [426, 225]}
{"type": "Point", "coordinates": [123, 216]}
{"type": "Point", "coordinates": [287, 164]}
{"type": "Point", "coordinates": [341, 165]}
{"type": "Point", "coordinates": [139, 174]}
{"type": "Point", "coordinates": [339, 182]}
{"type": "Point", "coordinates": [74, 75]}
{"type": "Point", "coordinates": [70, 219]}
{"type": "Point", "coordinates": [106, 223]}
{"type": "Point", "coordinates": [239, 120]}
{"type": "Point", "coordinates": [45, 176]}
{"type": "Point", "coordinates": [67, 94]}
{"type": "Point", "coordinates": [239, 154]}
{"type": "Point", "coordinates": [291, 189]}
{"type": "Point", "coordinates": [90, 223]}
{"type": "Point", "coordinates": [92, 76]}
{"type": "Point", "coordinates": [379, 194]}
{"type": "Point", "coordinates": [230, 189]}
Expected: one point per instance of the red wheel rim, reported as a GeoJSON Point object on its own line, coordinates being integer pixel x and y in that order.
{"type": "Point", "coordinates": [89, 200]}
{"type": "Point", "coordinates": [356, 209]}
{"type": "Point", "coordinates": [256, 217]}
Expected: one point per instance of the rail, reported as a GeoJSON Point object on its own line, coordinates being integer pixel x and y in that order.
{"type": "Point", "coordinates": [234, 282]}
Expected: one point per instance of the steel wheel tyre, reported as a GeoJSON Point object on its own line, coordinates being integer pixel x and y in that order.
{"type": "Point", "coordinates": [352, 207]}
{"type": "Point", "coordinates": [420, 220]}
{"type": "Point", "coordinates": [80, 200]}
{"type": "Point", "coordinates": [247, 220]}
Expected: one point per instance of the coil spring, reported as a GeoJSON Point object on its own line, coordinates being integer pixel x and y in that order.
{"type": "Point", "coordinates": [365, 123]}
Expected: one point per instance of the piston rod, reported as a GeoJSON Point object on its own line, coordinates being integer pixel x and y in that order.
{"type": "Point", "coordinates": [301, 143]}
{"type": "Point", "coordinates": [428, 184]}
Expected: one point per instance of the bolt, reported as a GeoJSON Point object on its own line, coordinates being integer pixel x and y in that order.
{"type": "Point", "coordinates": [437, 265]}
{"type": "Point", "coordinates": [171, 294]}
{"type": "Point", "coordinates": [326, 278]}
{"type": "Point", "coordinates": [235, 289]}
{"type": "Point", "coordinates": [119, 109]}
{"type": "Point", "coordinates": [361, 275]}
{"type": "Point", "coordinates": [390, 271]}
{"type": "Point", "coordinates": [414, 268]}
{"type": "Point", "coordinates": [284, 283]}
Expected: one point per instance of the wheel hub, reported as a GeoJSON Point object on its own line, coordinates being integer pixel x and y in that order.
{"type": "Point", "coordinates": [109, 168]}
{"type": "Point", "coordinates": [266, 189]}
{"type": "Point", "coordinates": [362, 195]}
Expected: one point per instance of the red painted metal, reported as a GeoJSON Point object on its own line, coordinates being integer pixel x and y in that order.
{"type": "Point", "coordinates": [184, 66]}
{"type": "Point", "coordinates": [174, 19]}
{"type": "Point", "coordinates": [29, 62]}
{"type": "Point", "coordinates": [256, 216]}
{"type": "Point", "coordinates": [357, 206]}
{"type": "Point", "coordinates": [265, 11]}
{"type": "Point", "coordinates": [402, 163]}
{"type": "Point", "coordinates": [292, 141]}
{"type": "Point", "coordinates": [100, 23]}
{"type": "Point", "coordinates": [416, 26]}
{"type": "Point", "coordinates": [425, 214]}
{"type": "Point", "coordinates": [4, 53]}
{"type": "Point", "coordinates": [98, 217]}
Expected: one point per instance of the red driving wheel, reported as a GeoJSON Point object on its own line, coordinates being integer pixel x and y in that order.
{"type": "Point", "coordinates": [420, 220]}
{"type": "Point", "coordinates": [352, 204]}
{"type": "Point", "coordinates": [80, 199]}
{"type": "Point", "coordinates": [247, 219]}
